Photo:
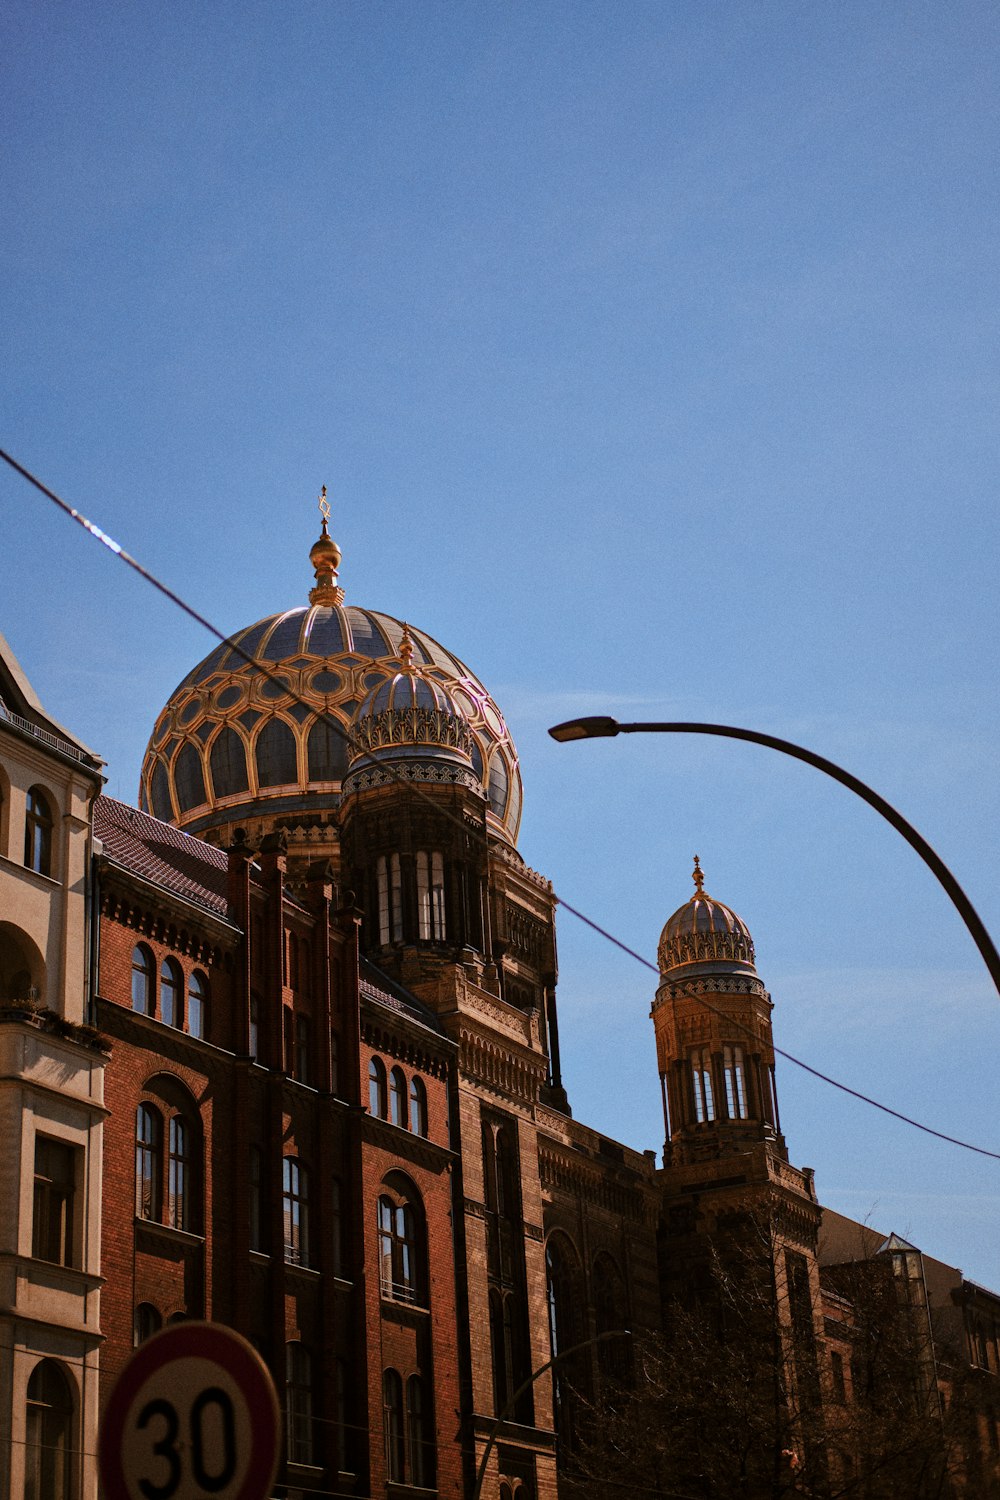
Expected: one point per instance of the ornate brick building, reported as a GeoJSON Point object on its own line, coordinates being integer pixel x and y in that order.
{"type": "Point", "coordinates": [326, 982]}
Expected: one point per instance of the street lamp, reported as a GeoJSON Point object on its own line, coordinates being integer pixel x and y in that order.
{"type": "Point", "coordinates": [602, 727]}
{"type": "Point", "coordinates": [508, 1407]}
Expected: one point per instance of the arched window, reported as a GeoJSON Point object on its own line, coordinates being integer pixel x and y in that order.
{"type": "Point", "coordinates": [179, 1174]}
{"type": "Point", "coordinates": [418, 1106]}
{"type": "Point", "coordinates": [295, 1207]}
{"type": "Point", "coordinates": [701, 1079]}
{"type": "Point", "coordinates": [48, 1458]}
{"type": "Point", "coordinates": [298, 1403]}
{"type": "Point", "coordinates": [171, 990]}
{"type": "Point", "coordinates": [189, 778]}
{"type": "Point", "coordinates": [389, 879]}
{"type": "Point", "coordinates": [327, 751]}
{"type": "Point", "coordinates": [566, 1303]}
{"type": "Point", "coordinates": [197, 1016]}
{"type": "Point", "coordinates": [228, 763]}
{"type": "Point", "coordinates": [22, 972]}
{"type": "Point", "coordinates": [395, 1443]}
{"type": "Point", "coordinates": [419, 1445]}
{"type": "Point", "coordinates": [376, 1088]}
{"type": "Point", "coordinates": [143, 970]}
{"type": "Point", "coordinates": [148, 1162]}
{"type": "Point", "coordinates": [401, 1242]}
{"type": "Point", "coordinates": [38, 832]}
{"type": "Point", "coordinates": [275, 750]}
{"type": "Point", "coordinates": [611, 1307]}
{"type": "Point", "coordinates": [736, 1095]}
{"type": "Point", "coordinates": [397, 1097]}
{"type": "Point", "coordinates": [430, 897]}
{"type": "Point", "coordinates": [146, 1322]}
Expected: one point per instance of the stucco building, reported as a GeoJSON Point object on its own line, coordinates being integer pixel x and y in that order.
{"type": "Point", "coordinates": [51, 1104]}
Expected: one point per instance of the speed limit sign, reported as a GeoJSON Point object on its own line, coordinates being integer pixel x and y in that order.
{"type": "Point", "coordinates": [192, 1415]}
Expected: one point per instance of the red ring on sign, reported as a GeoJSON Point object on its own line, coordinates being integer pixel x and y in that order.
{"type": "Point", "coordinates": [222, 1346]}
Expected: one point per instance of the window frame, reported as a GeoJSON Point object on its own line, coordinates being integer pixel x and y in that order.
{"type": "Point", "coordinates": [197, 1004]}
{"type": "Point", "coordinates": [397, 1098]}
{"type": "Point", "coordinates": [180, 1168]}
{"type": "Point", "coordinates": [146, 971]}
{"type": "Point", "coordinates": [172, 984]}
{"type": "Point", "coordinates": [418, 1106]}
{"type": "Point", "coordinates": [702, 1086]}
{"type": "Point", "coordinates": [295, 1211]}
{"type": "Point", "coordinates": [149, 1164]}
{"type": "Point", "coordinates": [401, 1246]}
{"type": "Point", "coordinates": [38, 828]}
{"type": "Point", "coordinates": [50, 1433]}
{"type": "Point", "coordinates": [299, 1390]}
{"type": "Point", "coordinates": [378, 1098]}
{"type": "Point", "coordinates": [735, 1080]}
{"type": "Point", "coordinates": [53, 1226]}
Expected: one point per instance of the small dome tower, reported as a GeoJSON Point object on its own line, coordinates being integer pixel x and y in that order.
{"type": "Point", "coordinates": [414, 821]}
{"type": "Point", "coordinates": [714, 1046]}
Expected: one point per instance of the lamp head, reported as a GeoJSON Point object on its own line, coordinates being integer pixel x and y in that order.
{"type": "Point", "coordinates": [600, 727]}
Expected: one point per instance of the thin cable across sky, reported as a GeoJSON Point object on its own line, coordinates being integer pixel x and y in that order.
{"type": "Point", "coordinates": [101, 536]}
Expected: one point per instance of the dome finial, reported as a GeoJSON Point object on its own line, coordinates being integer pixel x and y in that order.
{"type": "Point", "coordinates": [406, 649]}
{"type": "Point", "coordinates": [697, 875]}
{"type": "Point", "coordinates": [325, 558]}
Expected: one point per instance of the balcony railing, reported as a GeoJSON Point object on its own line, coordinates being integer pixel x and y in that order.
{"type": "Point", "coordinates": [52, 740]}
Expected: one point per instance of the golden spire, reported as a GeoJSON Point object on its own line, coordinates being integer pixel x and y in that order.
{"type": "Point", "coordinates": [698, 877]}
{"type": "Point", "coordinates": [325, 558]}
{"type": "Point", "coordinates": [406, 649]}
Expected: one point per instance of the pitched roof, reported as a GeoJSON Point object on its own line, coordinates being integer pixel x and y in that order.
{"type": "Point", "coordinates": [156, 852]}
{"type": "Point", "coordinates": [377, 985]}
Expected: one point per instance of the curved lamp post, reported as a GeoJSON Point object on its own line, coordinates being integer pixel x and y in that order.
{"type": "Point", "coordinates": [505, 1411]}
{"type": "Point", "coordinates": [603, 728]}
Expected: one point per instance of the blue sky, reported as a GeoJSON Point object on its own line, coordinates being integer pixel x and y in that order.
{"type": "Point", "coordinates": [649, 354]}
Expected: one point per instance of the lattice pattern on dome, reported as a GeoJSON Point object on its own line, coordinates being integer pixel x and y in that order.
{"type": "Point", "coordinates": [704, 931]}
{"type": "Point", "coordinates": [231, 741]}
{"type": "Point", "coordinates": [411, 709]}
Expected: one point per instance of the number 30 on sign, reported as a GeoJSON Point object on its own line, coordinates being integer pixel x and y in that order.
{"type": "Point", "coordinates": [193, 1416]}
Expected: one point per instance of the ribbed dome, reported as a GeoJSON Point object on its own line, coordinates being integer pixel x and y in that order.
{"type": "Point", "coordinates": [706, 933]}
{"type": "Point", "coordinates": [233, 743]}
{"type": "Point", "coordinates": [411, 714]}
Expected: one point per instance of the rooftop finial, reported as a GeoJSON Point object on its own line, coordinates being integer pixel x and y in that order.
{"type": "Point", "coordinates": [406, 649]}
{"type": "Point", "coordinates": [697, 875]}
{"type": "Point", "coordinates": [325, 558]}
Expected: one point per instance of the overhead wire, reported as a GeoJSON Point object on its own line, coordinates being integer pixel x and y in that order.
{"type": "Point", "coordinates": [351, 740]}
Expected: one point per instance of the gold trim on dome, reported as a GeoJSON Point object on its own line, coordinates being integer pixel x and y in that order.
{"type": "Point", "coordinates": [325, 557]}
{"type": "Point", "coordinates": [193, 716]}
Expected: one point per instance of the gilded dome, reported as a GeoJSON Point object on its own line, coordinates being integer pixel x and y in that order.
{"type": "Point", "coordinates": [705, 933]}
{"type": "Point", "coordinates": [411, 714]}
{"type": "Point", "coordinates": [248, 731]}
